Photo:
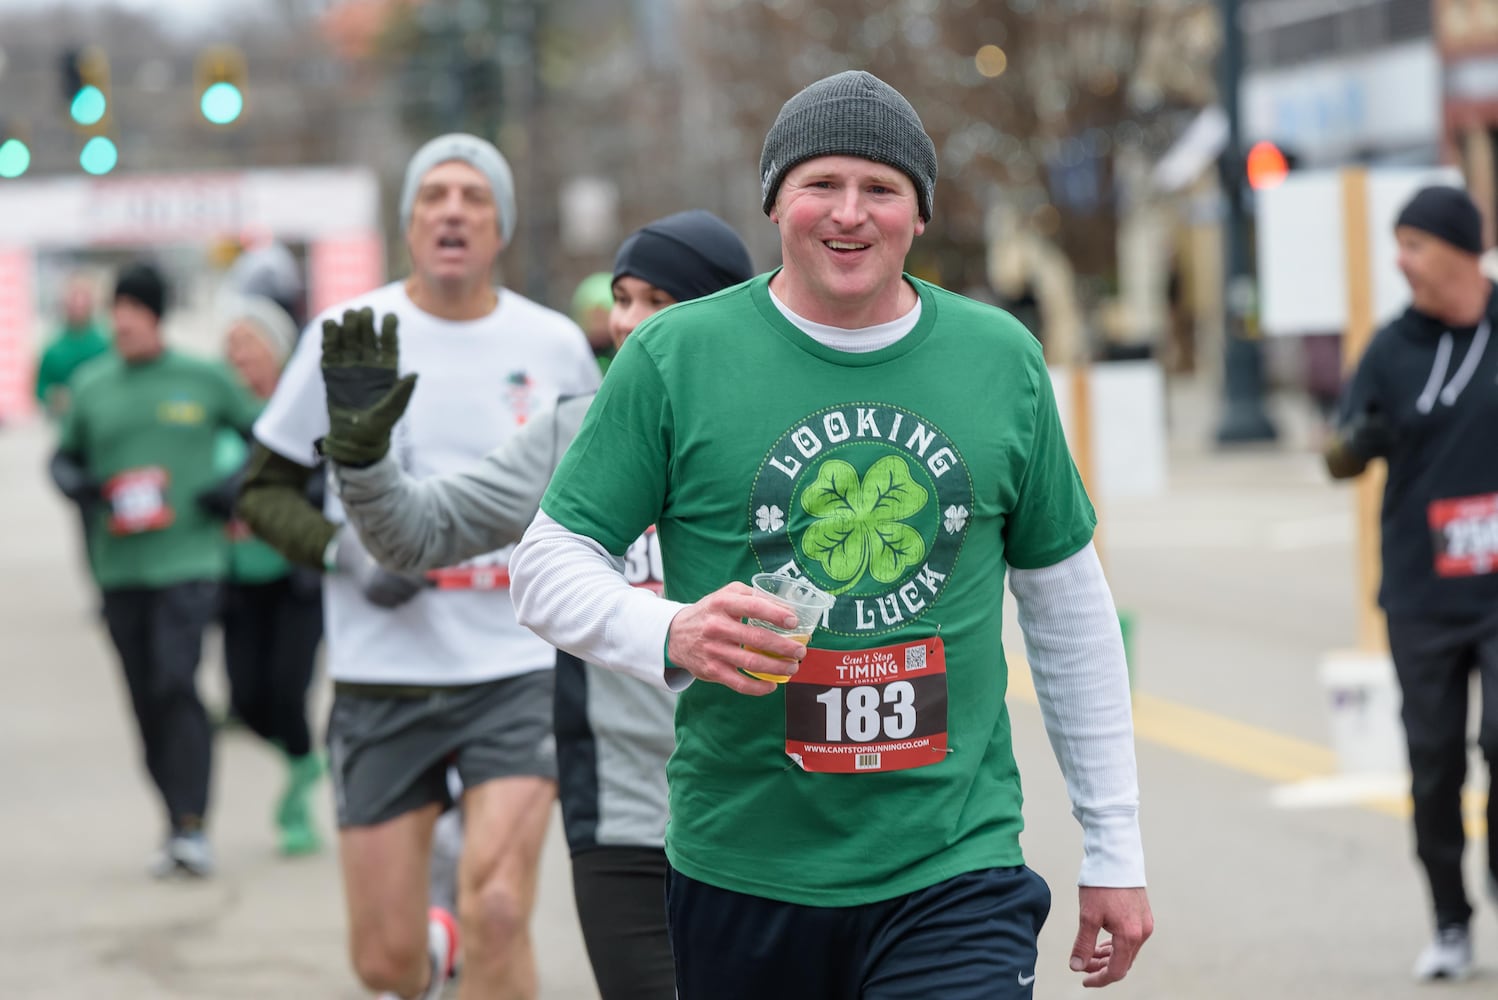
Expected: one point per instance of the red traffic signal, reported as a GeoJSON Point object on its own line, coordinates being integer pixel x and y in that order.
{"type": "Point", "coordinates": [1266, 166]}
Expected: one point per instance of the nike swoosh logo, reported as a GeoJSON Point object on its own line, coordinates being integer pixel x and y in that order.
{"type": "Point", "coordinates": [1027, 980]}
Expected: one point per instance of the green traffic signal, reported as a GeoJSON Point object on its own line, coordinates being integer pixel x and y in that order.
{"type": "Point", "coordinates": [88, 106]}
{"type": "Point", "coordinates": [15, 157]}
{"type": "Point", "coordinates": [99, 156]}
{"type": "Point", "coordinates": [222, 103]}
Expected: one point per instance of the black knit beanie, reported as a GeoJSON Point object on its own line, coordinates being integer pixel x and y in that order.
{"type": "Point", "coordinates": [851, 114]}
{"type": "Point", "coordinates": [1446, 213]}
{"type": "Point", "coordinates": [688, 255]}
{"type": "Point", "coordinates": [142, 283]}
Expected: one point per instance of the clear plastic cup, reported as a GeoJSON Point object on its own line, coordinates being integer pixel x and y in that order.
{"type": "Point", "coordinates": [803, 598]}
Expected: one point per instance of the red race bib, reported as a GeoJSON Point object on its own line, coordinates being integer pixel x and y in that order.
{"type": "Point", "coordinates": [885, 709]}
{"type": "Point", "coordinates": [1464, 535]}
{"type": "Point", "coordinates": [469, 577]}
{"type": "Point", "coordinates": [642, 568]}
{"type": "Point", "coordinates": [137, 501]}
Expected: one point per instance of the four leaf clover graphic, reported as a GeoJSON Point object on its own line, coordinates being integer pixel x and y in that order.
{"type": "Point", "coordinates": [769, 517]}
{"type": "Point", "coordinates": [858, 526]}
{"type": "Point", "coordinates": [955, 519]}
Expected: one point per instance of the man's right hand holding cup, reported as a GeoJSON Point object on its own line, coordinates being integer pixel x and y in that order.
{"type": "Point", "coordinates": [711, 641]}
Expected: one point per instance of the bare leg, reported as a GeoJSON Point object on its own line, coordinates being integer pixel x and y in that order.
{"type": "Point", "coordinates": [504, 823]}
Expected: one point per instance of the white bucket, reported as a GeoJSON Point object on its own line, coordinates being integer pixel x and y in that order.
{"type": "Point", "coordinates": [1363, 698]}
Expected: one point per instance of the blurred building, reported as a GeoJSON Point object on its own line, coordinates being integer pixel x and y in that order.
{"type": "Point", "coordinates": [1342, 81]}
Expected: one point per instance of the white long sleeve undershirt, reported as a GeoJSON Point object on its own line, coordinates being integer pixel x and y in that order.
{"type": "Point", "coordinates": [568, 590]}
{"type": "Point", "coordinates": [1076, 654]}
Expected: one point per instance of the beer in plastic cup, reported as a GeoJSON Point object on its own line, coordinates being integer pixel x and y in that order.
{"type": "Point", "coordinates": [804, 599]}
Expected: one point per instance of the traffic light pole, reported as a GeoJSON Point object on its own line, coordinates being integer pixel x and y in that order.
{"type": "Point", "coordinates": [1243, 416]}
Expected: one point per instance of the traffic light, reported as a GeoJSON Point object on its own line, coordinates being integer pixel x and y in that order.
{"type": "Point", "coordinates": [85, 86]}
{"type": "Point", "coordinates": [1266, 166]}
{"type": "Point", "coordinates": [221, 84]}
{"type": "Point", "coordinates": [15, 150]}
{"type": "Point", "coordinates": [99, 156]}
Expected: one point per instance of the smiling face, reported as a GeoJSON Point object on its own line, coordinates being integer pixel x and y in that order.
{"type": "Point", "coordinates": [846, 224]}
{"type": "Point", "coordinates": [454, 233]}
{"type": "Point", "coordinates": [635, 301]}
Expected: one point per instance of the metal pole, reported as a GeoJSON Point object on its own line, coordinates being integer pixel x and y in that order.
{"type": "Point", "coordinates": [540, 218]}
{"type": "Point", "coordinates": [1243, 415]}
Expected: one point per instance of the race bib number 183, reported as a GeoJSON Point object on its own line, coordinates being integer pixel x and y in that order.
{"type": "Point", "coordinates": [853, 711]}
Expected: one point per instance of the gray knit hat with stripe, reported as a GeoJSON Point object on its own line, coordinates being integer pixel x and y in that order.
{"type": "Point", "coordinates": [850, 114]}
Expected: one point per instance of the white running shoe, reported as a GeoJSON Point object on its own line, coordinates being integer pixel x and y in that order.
{"type": "Point", "coordinates": [183, 854]}
{"type": "Point", "coordinates": [1449, 956]}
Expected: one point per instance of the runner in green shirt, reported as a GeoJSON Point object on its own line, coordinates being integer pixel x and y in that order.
{"type": "Point", "coordinates": [136, 450]}
{"type": "Point", "coordinates": [855, 831]}
{"type": "Point", "coordinates": [80, 340]}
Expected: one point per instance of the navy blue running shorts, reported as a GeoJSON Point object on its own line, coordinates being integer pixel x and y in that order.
{"type": "Point", "coordinates": [972, 937]}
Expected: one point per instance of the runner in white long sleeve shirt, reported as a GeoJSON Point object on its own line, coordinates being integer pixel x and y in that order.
{"type": "Point", "coordinates": [899, 446]}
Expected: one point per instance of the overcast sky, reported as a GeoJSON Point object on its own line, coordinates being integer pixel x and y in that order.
{"type": "Point", "coordinates": [186, 14]}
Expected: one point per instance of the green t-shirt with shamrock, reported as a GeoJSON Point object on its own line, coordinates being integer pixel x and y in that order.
{"type": "Point", "coordinates": [147, 433]}
{"type": "Point", "coordinates": [903, 481]}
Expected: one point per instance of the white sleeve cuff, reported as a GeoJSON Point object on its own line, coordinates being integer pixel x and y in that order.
{"type": "Point", "coordinates": [1112, 850]}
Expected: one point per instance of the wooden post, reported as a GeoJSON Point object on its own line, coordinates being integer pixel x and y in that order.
{"type": "Point", "coordinates": [1081, 443]}
{"type": "Point", "coordinates": [1357, 244]}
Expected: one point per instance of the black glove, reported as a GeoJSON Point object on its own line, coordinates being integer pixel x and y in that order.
{"type": "Point", "coordinates": [73, 480]}
{"type": "Point", "coordinates": [365, 398]}
{"type": "Point", "coordinates": [218, 500]}
{"type": "Point", "coordinates": [1367, 434]}
{"type": "Point", "coordinates": [382, 588]}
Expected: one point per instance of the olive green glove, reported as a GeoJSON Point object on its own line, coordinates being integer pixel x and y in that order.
{"type": "Point", "coordinates": [365, 398]}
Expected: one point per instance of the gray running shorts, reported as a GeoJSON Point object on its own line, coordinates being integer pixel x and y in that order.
{"type": "Point", "coordinates": [389, 747]}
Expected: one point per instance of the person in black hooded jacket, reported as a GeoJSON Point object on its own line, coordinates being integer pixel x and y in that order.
{"type": "Point", "coordinates": [1425, 399]}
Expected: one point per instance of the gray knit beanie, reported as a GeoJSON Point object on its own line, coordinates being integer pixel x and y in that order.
{"type": "Point", "coordinates": [475, 152]}
{"type": "Point", "coordinates": [850, 114]}
{"type": "Point", "coordinates": [267, 318]}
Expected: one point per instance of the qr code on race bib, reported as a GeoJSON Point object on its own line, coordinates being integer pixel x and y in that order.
{"type": "Point", "coordinates": [915, 657]}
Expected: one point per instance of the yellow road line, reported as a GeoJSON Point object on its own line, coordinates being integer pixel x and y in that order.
{"type": "Point", "coordinates": [1239, 746]}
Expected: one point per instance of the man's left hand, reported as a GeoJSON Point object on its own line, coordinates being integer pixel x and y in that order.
{"type": "Point", "coordinates": [1125, 915]}
{"type": "Point", "coordinates": [365, 395]}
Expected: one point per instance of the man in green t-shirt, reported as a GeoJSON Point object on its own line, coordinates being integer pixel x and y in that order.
{"type": "Point", "coordinates": [853, 832]}
{"type": "Point", "coordinates": [80, 340]}
{"type": "Point", "coordinates": [136, 453]}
